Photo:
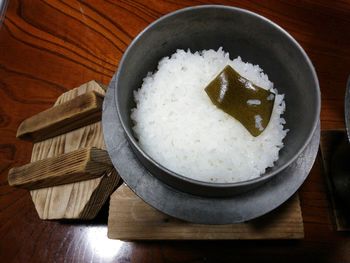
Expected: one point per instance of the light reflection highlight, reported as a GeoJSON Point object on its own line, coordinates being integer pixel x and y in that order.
{"type": "Point", "coordinates": [101, 245]}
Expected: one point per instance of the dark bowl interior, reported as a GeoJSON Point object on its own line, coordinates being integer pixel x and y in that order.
{"type": "Point", "coordinates": [241, 33]}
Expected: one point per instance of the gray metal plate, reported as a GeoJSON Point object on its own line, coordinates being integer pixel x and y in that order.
{"type": "Point", "coordinates": [347, 108]}
{"type": "Point", "coordinates": [198, 209]}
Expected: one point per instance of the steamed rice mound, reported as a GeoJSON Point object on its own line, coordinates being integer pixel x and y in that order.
{"type": "Point", "coordinates": [180, 128]}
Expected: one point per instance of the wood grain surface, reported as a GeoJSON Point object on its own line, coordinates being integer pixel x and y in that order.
{"type": "Point", "coordinates": [130, 218]}
{"type": "Point", "coordinates": [82, 199]}
{"type": "Point", "coordinates": [73, 114]}
{"type": "Point", "coordinates": [47, 47]}
{"type": "Point", "coordinates": [71, 167]}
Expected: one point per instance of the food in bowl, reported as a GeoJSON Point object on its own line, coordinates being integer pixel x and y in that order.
{"type": "Point", "coordinates": [178, 125]}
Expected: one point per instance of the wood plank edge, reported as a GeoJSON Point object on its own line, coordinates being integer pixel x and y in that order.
{"type": "Point", "coordinates": [80, 170]}
{"type": "Point", "coordinates": [101, 194]}
{"type": "Point", "coordinates": [91, 112]}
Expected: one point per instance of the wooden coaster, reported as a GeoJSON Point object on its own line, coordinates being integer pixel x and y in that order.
{"type": "Point", "coordinates": [130, 218]}
{"type": "Point", "coordinates": [81, 199]}
{"type": "Point", "coordinates": [330, 140]}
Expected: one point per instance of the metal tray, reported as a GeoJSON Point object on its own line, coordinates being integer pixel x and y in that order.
{"type": "Point", "coordinates": [199, 209]}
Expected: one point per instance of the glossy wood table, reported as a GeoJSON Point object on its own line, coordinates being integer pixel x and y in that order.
{"type": "Point", "coordinates": [48, 47]}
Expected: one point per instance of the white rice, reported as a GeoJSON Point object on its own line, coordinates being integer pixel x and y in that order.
{"type": "Point", "coordinates": [179, 127]}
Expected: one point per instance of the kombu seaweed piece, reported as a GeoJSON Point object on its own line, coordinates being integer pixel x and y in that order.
{"type": "Point", "coordinates": [248, 103]}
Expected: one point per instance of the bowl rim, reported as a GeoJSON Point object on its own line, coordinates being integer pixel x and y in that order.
{"type": "Point", "coordinates": [263, 177]}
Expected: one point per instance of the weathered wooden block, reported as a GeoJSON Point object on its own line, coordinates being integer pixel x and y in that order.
{"type": "Point", "coordinates": [70, 115]}
{"type": "Point", "coordinates": [130, 218]}
{"type": "Point", "coordinates": [75, 166]}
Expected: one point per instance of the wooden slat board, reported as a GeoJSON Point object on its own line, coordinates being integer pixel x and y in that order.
{"type": "Point", "coordinates": [132, 219]}
{"type": "Point", "coordinates": [81, 199]}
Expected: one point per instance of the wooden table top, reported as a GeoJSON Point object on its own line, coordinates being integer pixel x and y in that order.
{"type": "Point", "coordinates": [48, 47]}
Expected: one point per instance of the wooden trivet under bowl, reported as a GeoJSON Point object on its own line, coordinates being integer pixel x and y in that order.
{"type": "Point", "coordinates": [130, 218]}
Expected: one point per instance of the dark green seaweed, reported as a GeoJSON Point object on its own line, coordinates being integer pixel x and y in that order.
{"type": "Point", "coordinates": [248, 103]}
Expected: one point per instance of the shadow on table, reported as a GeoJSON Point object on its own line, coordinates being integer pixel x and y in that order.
{"type": "Point", "coordinates": [100, 219]}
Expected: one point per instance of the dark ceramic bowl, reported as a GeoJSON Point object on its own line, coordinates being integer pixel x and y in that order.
{"type": "Point", "coordinates": [241, 33]}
